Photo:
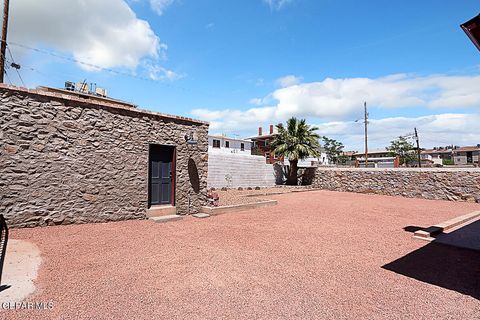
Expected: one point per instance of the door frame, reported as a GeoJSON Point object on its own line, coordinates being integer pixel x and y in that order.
{"type": "Point", "coordinates": [469, 155]}
{"type": "Point", "coordinates": [174, 171]}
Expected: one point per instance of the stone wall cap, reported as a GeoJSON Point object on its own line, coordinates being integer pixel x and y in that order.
{"type": "Point", "coordinates": [66, 97]}
{"type": "Point", "coordinates": [401, 169]}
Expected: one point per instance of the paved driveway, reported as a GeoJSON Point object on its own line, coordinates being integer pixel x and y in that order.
{"type": "Point", "coordinates": [316, 255]}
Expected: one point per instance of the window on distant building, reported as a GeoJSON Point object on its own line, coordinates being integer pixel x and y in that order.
{"type": "Point", "coordinates": [216, 143]}
{"type": "Point", "coordinates": [267, 155]}
{"type": "Point", "coordinates": [242, 146]}
{"type": "Point", "coordinates": [227, 144]}
{"type": "Point", "coordinates": [266, 142]}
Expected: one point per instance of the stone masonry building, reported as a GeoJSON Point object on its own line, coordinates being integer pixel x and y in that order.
{"type": "Point", "coordinates": [66, 158]}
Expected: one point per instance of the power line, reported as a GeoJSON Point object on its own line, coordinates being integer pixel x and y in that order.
{"type": "Point", "coordinates": [8, 78]}
{"type": "Point", "coordinates": [435, 141]}
{"type": "Point", "coordinates": [15, 66]}
{"type": "Point", "coordinates": [90, 65]}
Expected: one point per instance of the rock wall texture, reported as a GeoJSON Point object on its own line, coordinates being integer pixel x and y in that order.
{"type": "Point", "coordinates": [67, 161]}
{"type": "Point", "coordinates": [238, 170]}
{"type": "Point", "coordinates": [427, 183]}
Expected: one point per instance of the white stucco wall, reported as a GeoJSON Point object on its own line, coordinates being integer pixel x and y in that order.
{"type": "Point", "coordinates": [307, 162]}
{"type": "Point", "coordinates": [235, 145]}
{"type": "Point", "coordinates": [244, 170]}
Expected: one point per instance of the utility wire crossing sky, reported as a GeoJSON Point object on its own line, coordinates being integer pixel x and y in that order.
{"type": "Point", "coordinates": [245, 64]}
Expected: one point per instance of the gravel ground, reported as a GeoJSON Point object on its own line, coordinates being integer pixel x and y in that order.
{"type": "Point", "coordinates": [235, 196]}
{"type": "Point", "coordinates": [316, 255]}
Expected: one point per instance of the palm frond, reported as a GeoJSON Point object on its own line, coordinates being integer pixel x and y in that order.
{"type": "Point", "coordinates": [297, 140]}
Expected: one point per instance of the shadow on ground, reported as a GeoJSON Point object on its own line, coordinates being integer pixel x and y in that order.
{"type": "Point", "coordinates": [412, 228]}
{"type": "Point", "coordinates": [468, 236]}
{"type": "Point", "coordinates": [442, 265]}
{"type": "Point", "coordinates": [4, 287]}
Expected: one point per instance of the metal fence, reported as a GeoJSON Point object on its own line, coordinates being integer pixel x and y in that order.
{"type": "Point", "coordinates": [3, 243]}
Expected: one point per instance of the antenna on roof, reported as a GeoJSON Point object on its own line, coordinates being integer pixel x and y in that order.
{"type": "Point", "coordinates": [84, 87]}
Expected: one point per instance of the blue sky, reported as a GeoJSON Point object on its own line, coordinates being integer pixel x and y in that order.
{"type": "Point", "coordinates": [242, 64]}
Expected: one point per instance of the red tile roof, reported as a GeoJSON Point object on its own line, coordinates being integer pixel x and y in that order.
{"type": "Point", "coordinates": [430, 151]}
{"type": "Point", "coordinates": [467, 149]}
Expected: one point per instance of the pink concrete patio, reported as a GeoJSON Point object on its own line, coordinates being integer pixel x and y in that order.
{"type": "Point", "coordinates": [316, 255]}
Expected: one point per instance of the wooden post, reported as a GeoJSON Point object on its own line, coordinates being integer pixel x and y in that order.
{"type": "Point", "coordinates": [418, 149]}
{"type": "Point", "coordinates": [366, 133]}
{"type": "Point", "coordinates": [3, 46]}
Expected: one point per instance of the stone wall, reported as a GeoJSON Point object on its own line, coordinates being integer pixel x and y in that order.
{"type": "Point", "coordinates": [244, 170]}
{"type": "Point", "coordinates": [427, 183]}
{"type": "Point", "coordinates": [66, 160]}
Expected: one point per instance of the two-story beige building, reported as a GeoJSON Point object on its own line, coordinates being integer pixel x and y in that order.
{"type": "Point", "coordinates": [466, 155]}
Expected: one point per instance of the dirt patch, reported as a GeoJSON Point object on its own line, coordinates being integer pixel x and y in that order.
{"type": "Point", "coordinates": [22, 261]}
{"type": "Point", "coordinates": [245, 196]}
{"type": "Point", "coordinates": [315, 255]}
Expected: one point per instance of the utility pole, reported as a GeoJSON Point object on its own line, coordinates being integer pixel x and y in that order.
{"type": "Point", "coordinates": [366, 133]}
{"type": "Point", "coordinates": [3, 46]}
{"type": "Point", "coordinates": [418, 148]}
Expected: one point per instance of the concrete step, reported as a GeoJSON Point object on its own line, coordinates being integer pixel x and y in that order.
{"type": "Point", "coordinates": [158, 211]}
{"type": "Point", "coordinates": [200, 215]}
{"type": "Point", "coordinates": [168, 218]}
{"type": "Point", "coordinates": [430, 232]}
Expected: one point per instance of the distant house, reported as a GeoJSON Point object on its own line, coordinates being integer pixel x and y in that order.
{"type": "Point", "coordinates": [231, 164]}
{"type": "Point", "coordinates": [373, 154]}
{"type": "Point", "coordinates": [376, 159]}
{"type": "Point", "coordinates": [437, 156]}
{"type": "Point", "coordinates": [466, 155]}
{"type": "Point", "coordinates": [322, 159]}
{"type": "Point", "coordinates": [261, 145]}
{"type": "Point", "coordinates": [349, 155]}
{"type": "Point", "coordinates": [229, 145]}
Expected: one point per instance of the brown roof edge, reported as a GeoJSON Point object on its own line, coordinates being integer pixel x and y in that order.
{"type": "Point", "coordinates": [467, 149]}
{"type": "Point", "coordinates": [87, 96]}
{"type": "Point", "coordinates": [436, 151]}
{"type": "Point", "coordinates": [265, 136]}
{"type": "Point", "coordinates": [67, 97]}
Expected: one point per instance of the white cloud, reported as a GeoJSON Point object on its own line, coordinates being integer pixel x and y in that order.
{"type": "Point", "coordinates": [434, 130]}
{"type": "Point", "coordinates": [157, 72]}
{"type": "Point", "coordinates": [288, 81]}
{"type": "Point", "coordinates": [159, 6]}
{"type": "Point", "coordinates": [334, 100]}
{"type": "Point", "coordinates": [256, 101]}
{"type": "Point", "coordinates": [229, 120]}
{"type": "Point", "coordinates": [277, 4]}
{"type": "Point", "coordinates": [105, 33]}
{"type": "Point", "coordinates": [339, 98]}
{"type": "Point", "coordinates": [261, 101]}
{"type": "Point", "coordinates": [259, 82]}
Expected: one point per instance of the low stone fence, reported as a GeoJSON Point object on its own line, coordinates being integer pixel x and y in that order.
{"type": "Point", "coordinates": [427, 183]}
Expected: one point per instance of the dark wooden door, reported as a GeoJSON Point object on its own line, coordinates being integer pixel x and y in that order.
{"type": "Point", "coordinates": [469, 157]}
{"type": "Point", "coordinates": [161, 175]}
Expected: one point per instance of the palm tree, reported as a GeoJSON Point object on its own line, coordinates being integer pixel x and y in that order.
{"type": "Point", "coordinates": [295, 142]}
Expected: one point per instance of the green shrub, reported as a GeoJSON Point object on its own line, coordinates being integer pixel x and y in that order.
{"type": "Point", "coordinates": [447, 162]}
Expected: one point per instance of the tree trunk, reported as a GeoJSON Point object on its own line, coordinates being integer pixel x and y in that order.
{"type": "Point", "coordinates": [292, 178]}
